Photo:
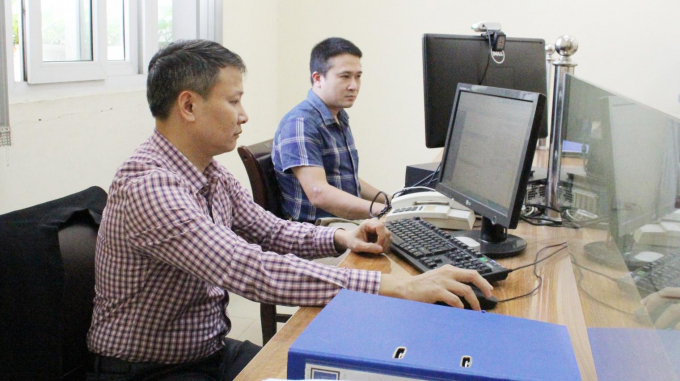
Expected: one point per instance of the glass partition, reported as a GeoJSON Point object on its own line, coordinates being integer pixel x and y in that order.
{"type": "Point", "coordinates": [619, 187]}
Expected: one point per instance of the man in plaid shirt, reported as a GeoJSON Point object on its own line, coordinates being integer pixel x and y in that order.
{"type": "Point", "coordinates": [179, 232]}
{"type": "Point", "coordinates": [314, 155]}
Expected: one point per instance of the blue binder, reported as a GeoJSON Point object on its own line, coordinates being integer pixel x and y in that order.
{"type": "Point", "coordinates": [367, 337]}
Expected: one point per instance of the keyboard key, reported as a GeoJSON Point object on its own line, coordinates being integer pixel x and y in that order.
{"type": "Point", "coordinates": [427, 247]}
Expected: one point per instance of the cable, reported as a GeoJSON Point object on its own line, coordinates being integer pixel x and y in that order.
{"type": "Point", "coordinates": [544, 206]}
{"type": "Point", "coordinates": [388, 205]}
{"type": "Point", "coordinates": [551, 224]}
{"type": "Point", "coordinates": [492, 56]}
{"type": "Point", "coordinates": [573, 261]}
{"type": "Point", "coordinates": [428, 179]}
{"type": "Point", "coordinates": [580, 286]}
{"type": "Point", "coordinates": [536, 261]}
{"type": "Point", "coordinates": [567, 217]}
{"type": "Point", "coordinates": [407, 189]}
{"type": "Point", "coordinates": [539, 252]}
{"type": "Point", "coordinates": [497, 54]}
{"type": "Point", "coordinates": [488, 61]}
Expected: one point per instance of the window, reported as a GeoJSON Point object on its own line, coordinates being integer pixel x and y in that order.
{"type": "Point", "coordinates": [17, 41]}
{"type": "Point", "coordinates": [164, 23]}
{"type": "Point", "coordinates": [55, 41]}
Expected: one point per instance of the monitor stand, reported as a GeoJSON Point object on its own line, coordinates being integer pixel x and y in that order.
{"type": "Point", "coordinates": [494, 240]}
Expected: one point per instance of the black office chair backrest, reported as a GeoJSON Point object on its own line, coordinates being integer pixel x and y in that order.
{"type": "Point", "coordinates": [77, 243]}
{"type": "Point", "coordinates": [257, 160]}
{"type": "Point", "coordinates": [266, 193]}
{"type": "Point", "coordinates": [47, 287]}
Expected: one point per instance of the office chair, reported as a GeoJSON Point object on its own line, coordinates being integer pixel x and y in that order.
{"type": "Point", "coordinates": [47, 287]}
{"type": "Point", "coordinates": [77, 243]}
{"type": "Point", "coordinates": [266, 193]}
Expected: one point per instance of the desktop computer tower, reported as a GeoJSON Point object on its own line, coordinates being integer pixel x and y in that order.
{"type": "Point", "coordinates": [423, 174]}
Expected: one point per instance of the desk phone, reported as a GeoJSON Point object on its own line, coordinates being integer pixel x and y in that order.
{"type": "Point", "coordinates": [433, 207]}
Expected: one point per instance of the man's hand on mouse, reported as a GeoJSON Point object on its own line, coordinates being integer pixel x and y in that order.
{"type": "Point", "coordinates": [445, 284]}
{"type": "Point", "coordinates": [370, 237]}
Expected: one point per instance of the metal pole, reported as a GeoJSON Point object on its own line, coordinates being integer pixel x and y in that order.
{"type": "Point", "coordinates": [549, 51]}
{"type": "Point", "coordinates": [565, 46]}
{"type": "Point", "coordinates": [5, 136]}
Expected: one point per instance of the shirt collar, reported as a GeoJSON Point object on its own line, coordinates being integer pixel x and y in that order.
{"type": "Point", "coordinates": [326, 114]}
{"type": "Point", "coordinates": [181, 164]}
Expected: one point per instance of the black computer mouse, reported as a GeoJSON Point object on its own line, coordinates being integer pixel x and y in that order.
{"type": "Point", "coordinates": [484, 302]}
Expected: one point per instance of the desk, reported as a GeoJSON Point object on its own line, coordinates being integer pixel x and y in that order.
{"type": "Point", "coordinates": [557, 301]}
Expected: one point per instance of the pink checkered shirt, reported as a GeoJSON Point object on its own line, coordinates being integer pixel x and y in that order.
{"type": "Point", "coordinates": [163, 263]}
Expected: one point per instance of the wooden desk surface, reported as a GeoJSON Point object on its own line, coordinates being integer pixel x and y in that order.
{"type": "Point", "coordinates": [557, 301]}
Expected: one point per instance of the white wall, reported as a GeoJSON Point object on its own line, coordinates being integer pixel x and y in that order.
{"type": "Point", "coordinates": [62, 146]}
{"type": "Point", "coordinates": [250, 29]}
{"type": "Point", "coordinates": [66, 145]}
{"type": "Point", "coordinates": [624, 46]}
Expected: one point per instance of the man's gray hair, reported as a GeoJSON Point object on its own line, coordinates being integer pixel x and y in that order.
{"type": "Point", "coordinates": [186, 65]}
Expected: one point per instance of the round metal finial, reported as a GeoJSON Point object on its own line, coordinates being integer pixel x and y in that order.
{"type": "Point", "coordinates": [549, 50]}
{"type": "Point", "coordinates": [566, 45]}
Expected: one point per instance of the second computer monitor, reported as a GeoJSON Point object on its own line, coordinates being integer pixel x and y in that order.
{"type": "Point", "coordinates": [452, 59]}
{"type": "Point", "coordinates": [487, 160]}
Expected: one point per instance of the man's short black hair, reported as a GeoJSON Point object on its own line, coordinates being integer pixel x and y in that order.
{"type": "Point", "coordinates": [186, 65]}
{"type": "Point", "coordinates": [327, 49]}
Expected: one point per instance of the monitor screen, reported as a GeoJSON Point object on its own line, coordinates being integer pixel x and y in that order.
{"type": "Point", "coordinates": [631, 168]}
{"type": "Point", "coordinates": [488, 155]}
{"type": "Point", "coordinates": [632, 160]}
{"type": "Point", "coordinates": [452, 59]}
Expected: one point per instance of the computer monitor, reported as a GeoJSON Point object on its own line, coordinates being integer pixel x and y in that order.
{"type": "Point", "coordinates": [631, 165]}
{"type": "Point", "coordinates": [452, 59]}
{"type": "Point", "coordinates": [487, 160]}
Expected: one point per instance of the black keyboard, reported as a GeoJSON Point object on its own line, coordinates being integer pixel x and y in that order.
{"type": "Point", "coordinates": [657, 275]}
{"type": "Point", "coordinates": [427, 247]}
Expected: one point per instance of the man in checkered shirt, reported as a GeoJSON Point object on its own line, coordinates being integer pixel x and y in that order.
{"type": "Point", "coordinates": [314, 155]}
{"type": "Point", "coordinates": [179, 232]}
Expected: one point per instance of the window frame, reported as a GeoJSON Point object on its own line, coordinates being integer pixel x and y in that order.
{"type": "Point", "coordinates": [38, 71]}
{"type": "Point", "coordinates": [128, 66]}
{"type": "Point", "coordinates": [118, 76]}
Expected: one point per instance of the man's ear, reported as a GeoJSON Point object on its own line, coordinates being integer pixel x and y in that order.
{"type": "Point", "coordinates": [316, 78]}
{"type": "Point", "coordinates": [185, 105]}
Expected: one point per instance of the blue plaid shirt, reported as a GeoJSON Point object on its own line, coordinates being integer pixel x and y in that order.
{"type": "Point", "coordinates": [309, 136]}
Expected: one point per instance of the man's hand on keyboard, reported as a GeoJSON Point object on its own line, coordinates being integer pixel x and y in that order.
{"type": "Point", "coordinates": [444, 284]}
{"type": "Point", "coordinates": [370, 237]}
{"type": "Point", "coordinates": [664, 308]}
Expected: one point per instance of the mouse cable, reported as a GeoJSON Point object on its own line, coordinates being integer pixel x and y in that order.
{"type": "Point", "coordinates": [596, 300]}
{"type": "Point", "coordinates": [536, 261]}
{"type": "Point", "coordinates": [615, 280]}
{"type": "Point", "coordinates": [573, 261]}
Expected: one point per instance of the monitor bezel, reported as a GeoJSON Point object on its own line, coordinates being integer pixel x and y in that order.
{"type": "Point", "coordinates": [430, 141]}
{"type": "Point", "coordinates": [509, 221]}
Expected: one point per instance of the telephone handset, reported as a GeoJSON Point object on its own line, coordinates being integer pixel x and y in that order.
{"type": "Point", "coordinates": [433, 207]}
